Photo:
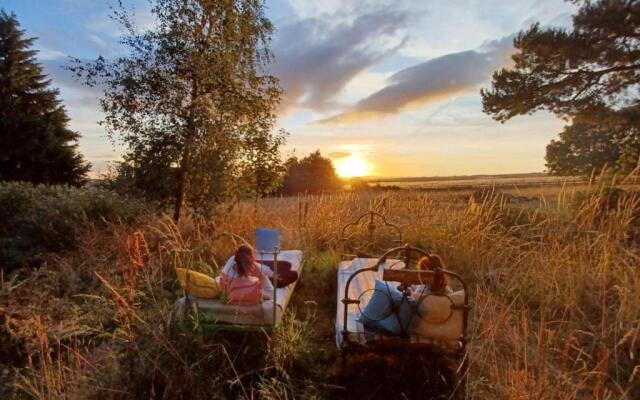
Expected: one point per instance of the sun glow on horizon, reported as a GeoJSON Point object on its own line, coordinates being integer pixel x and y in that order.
{"type": "Point", "coordinates": [352, 166]}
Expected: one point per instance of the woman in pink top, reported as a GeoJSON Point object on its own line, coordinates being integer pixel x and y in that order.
{"type": "Point", "coordinates": [243, 265]}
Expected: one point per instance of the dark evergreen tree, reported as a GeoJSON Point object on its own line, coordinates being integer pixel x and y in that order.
{"type": "Point", "coordinates": [35, 143]}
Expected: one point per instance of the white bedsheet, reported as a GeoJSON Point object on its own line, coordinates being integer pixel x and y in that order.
{"type": "Point", "coordinates": [360, 286]}
{"type": "Point", "coordinates": [259, 314]}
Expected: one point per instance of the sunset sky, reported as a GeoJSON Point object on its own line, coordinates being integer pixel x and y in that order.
{"type": "Point", "coordinates": [386, 88]}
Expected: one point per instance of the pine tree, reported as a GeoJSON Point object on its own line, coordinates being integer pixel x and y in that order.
{"type": "Point", "coordinates": [35, 143]}
{"type": "Point", "coordinates": [590, 75]}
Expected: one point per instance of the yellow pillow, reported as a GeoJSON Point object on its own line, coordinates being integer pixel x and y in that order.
{"type": "Point", "coordinates": [197, 284]}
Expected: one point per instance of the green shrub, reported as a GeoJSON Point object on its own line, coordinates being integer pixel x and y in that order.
{"type": "Point", "coordinates": [37, 220]}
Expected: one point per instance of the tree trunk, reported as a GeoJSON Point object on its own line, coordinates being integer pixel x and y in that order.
{"type": "Point", "coordinates": [185, 172]}
{"type": "Point", "coordinates": [177, 207]}
{"type": "Point", "coordinates": [185, 164]}
{"type": "Point", "coordinates": [182, 181]}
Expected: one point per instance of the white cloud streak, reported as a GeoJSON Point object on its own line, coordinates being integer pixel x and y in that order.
{"type": "Point", "coordinates": [433, 80]}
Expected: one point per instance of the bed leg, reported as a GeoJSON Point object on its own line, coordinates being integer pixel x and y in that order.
{"type": "Point", "coordinates": [456, 377]}
{"type": "Point", "coordinates": [463, 376]}
{"type": "Point", "coordinates": [344, 353]}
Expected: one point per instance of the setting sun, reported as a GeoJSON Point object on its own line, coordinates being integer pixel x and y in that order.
{"type": "Point", "coordinates": [352, 166]}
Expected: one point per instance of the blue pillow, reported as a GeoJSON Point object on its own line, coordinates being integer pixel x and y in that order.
{"type": "Point", "coordinates": [378, 316]}
{"type": "Point", "coordinates": [267, 239]}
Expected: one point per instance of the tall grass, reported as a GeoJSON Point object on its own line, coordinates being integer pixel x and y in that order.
{"type": "Point", "coordinates": [554, 282]}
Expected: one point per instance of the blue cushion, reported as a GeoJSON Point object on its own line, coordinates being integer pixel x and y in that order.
{"type": "Point", "coordinates": [378, 315]}
{"type": "Point", "coordinates": [267, 239]}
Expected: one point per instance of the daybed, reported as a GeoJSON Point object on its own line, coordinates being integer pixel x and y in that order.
{"type": "Point", "coordinates": [216, 314]}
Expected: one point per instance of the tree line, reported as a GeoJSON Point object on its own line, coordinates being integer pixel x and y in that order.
{"type": "Point", "coordinates": [191, 101]}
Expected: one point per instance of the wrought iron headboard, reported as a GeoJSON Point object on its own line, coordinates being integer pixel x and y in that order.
{"type": "Point", "coordinates": [375, 220]}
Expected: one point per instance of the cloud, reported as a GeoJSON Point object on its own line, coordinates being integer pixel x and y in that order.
{"type": "Point", "coordinates": [433, 80]}
{"type": "Point", "coordinates": [316, 58]}
{"type": "Point", "coordinates": [339, 154]}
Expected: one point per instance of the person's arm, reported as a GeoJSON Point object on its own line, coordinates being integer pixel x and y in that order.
{"type": "Point", "coordinates": [264, 273]}
{"type": "Point", "coordinates": [267, 286]}
{"type": "Point", "coordinates": [420, 290]}
{"type": "Point", "coordinates": [268, 272]}
{"type": "Point", "coordinates": [228, 267]}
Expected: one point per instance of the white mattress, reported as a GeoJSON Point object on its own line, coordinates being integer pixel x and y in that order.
{"type": "Point", "coordinates": [258, 314]}
{"type": "Point", "coordinates": [359, 286]}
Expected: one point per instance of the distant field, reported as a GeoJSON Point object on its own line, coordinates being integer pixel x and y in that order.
{"type": "Point", "coordinates": [471, 182]}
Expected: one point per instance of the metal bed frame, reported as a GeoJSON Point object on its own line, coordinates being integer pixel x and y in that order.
{"type": "Point", "coordinates": [406, 276]}
{"type": "Point", "coordinates": [408, 343]}
{"type": "Point", "coordinates": [373, 221]}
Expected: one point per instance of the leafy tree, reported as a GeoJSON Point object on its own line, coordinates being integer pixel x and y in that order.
{"type": "Point", "coordinates": [190, 100]}
{"type": "Point", "coordinates": [593, 141]}
{"type": "Point", "coordinates": [149, 174]}
{"type": "Point", "coordinates": [577, 74]}
{"type": "Point", "coordinates": [311, 174]}
{"type": "Point", "coordinates": [264, 165]}
{"type": "Point", "coordinates": [35, 143]}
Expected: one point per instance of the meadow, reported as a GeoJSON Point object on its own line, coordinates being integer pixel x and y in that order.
{"type": "Point", "coordinates": [509, 181]}
{"type": "Point", "coordinates": [554, 283]}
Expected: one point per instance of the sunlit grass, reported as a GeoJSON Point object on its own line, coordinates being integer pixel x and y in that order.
{"type": "Point", "coordinates": [554, 286]}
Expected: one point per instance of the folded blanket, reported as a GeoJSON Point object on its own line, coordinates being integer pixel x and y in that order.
{"type": "Point", "coordinates": [286, 275]}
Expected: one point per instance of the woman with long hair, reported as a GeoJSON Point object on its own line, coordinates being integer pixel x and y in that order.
{"type": "Point", "coordinates": [437, 283]}
{"type": "Point", "coordinates": [243, 265]}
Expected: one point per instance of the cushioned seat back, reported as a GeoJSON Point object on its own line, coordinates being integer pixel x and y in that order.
{"type": "Point", "coordinates": [439, 318]}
